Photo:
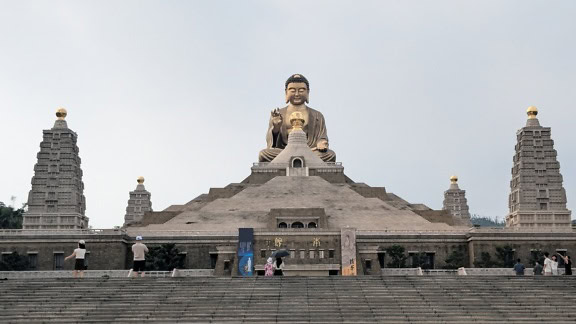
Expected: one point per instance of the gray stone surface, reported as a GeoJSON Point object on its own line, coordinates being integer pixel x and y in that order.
{"type": "Point", "coordinates": [56, 200]}
{"type": "Point", "coordinates": [391, 299]}
{"type": "Point", "coordinates": [537, 197]}
{"type": "Point", "coordinates": [250, 207]}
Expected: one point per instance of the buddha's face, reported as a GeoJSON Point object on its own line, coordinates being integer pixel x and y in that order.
{"type": "Point", "coordinates": [297, 93]}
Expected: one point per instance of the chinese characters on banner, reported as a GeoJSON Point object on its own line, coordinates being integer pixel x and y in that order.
{"type": "Point", "coordinates": [348, 243]}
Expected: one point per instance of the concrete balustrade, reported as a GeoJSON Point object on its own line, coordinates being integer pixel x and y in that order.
{"type": "Point", "coordinates": [105, 273]}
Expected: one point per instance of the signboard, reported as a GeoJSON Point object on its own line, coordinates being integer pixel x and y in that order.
{"type": "Point", "coordinates": [348, 245]}
{"type": "Point", "coordinates": [246, 252]}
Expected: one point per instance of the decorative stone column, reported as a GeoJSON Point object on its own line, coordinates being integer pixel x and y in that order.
{"type": "Point", "coordinates": [455, 200]}
{"type": "Point", "coordinates": [56, 200]}
{"type": "Point", "coordinates": [537, 197]}
{"type": "Point", "coordinates": [138, 204]}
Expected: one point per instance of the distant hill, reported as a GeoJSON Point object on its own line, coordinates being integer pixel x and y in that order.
{"type": "Point", "coordinates": [484, 221]}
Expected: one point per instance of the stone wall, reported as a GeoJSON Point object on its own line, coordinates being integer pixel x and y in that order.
{"type": "Point", "coordinates": [300, 244]}
{"type": "Point", "coordinates": [211, 251]}
{"type": "Point", "coordinates": [522, 244]}
{"type": "Point", "coordinates": [104, 252]}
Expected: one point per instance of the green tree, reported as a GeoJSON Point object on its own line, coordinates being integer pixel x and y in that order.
{"type": "Point", "coordinates": [14, 262]}
{"type": "Point", "coordinates": [505, 256]}
{"type": "Point", "coordinates": [396, 253]}
{"type": "Point", "coordinates": [11, 218]}
{"type": "Point", "coordinates": [485, 261]}
{"type": "Point", "coordinates": [484, 221]}
{"type": "Point", "coordinates": [455, 260]}
{"type": "Point", "coordinates": [536, 255]}
{"type": "Point", "coordinates": [165, 257]}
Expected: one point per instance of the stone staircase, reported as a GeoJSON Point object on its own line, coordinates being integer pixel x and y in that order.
{"type": "Point", "coordinates": [383, 299]}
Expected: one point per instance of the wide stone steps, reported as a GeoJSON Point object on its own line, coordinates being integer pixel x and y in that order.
{"type": "Point", "coordinates": [422, 299]}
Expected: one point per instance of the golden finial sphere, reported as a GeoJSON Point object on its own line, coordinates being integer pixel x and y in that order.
{"type": "Point", "coordinates": [297, 120]}
{"type": "Point", "coordinates": [532, 112]}
{"type": "Point", "coordinates": [140, 180]}
{"type": "Point", "coordinates": [61, 113]}
{"type": "Point", "coordinates": [454, 179]}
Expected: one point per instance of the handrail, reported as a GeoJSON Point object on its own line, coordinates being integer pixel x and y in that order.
{"type": "Point", "coordinates": [63, 231]}
{"type": "Point", "coordinates": [106, 274]}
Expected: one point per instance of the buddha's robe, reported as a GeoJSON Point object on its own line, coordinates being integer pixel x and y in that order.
{"type": "Point", "coordinates": [314, 127]}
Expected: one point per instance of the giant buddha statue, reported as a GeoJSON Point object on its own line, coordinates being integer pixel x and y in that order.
{"type": "Point", "coordinates": [297, 91]}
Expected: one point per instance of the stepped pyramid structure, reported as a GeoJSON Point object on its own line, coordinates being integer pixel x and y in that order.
{"type": "Point", "coordinates": [56, 200]}
{"type": "Point", "coordinates": [537, 197]}
{"type": "Point", "coordinates": [455, 200]}
{"type": "Point", "coordinates": [138, 204]}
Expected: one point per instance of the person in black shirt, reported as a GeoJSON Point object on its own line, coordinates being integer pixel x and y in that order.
{"type": "Point", "coordinates": [567, 265]}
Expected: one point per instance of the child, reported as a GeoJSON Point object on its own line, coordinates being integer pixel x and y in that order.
{"type": "Point", "coordinates": [269, 268]}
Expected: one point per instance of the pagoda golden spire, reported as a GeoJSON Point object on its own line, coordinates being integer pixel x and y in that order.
{"type": "Point", "coordinates": [140, 180]}
{"type": "Point", "coordinates": [61, 113]}
{"type": "Point", "coordinates": [454, 179]}
{"type": "Point", "coordinates": [532, 112]}
{"type": "Point", "coordinates": [297, 120]}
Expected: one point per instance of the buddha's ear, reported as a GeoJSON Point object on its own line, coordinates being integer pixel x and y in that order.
{"type": "Point", "coordinates": [286, 95]}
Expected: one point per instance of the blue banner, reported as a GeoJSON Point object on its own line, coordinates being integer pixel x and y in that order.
{"type": "Point", "coordinates": [246, 252]}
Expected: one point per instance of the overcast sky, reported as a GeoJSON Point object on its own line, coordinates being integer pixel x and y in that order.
{"type": "Point", "coordinates": [180, 91]}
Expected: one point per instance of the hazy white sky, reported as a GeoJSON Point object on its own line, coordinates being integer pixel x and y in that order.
{"type": "Point", "coordinates": [180, 91]}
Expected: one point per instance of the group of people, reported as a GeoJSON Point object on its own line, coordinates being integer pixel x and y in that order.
{"type": "Point", "coordinates": [139, 250]}
{"type": "Point", "coordinates": [550, 267]}
{"type": "Point", "coordinates": [274, 268]}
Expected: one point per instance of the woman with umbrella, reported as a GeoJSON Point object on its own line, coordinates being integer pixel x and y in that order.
{"type": "Point", "coordinates": [279, 264]}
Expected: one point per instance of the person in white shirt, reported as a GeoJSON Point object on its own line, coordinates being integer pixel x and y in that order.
{"type": "Point", "coordinates": [80, 254]}
{"type": "Point", "coordinates": [139, 250]}
{"type": "Point", "coordinates": [554, 266]}
{"type": "Point", "coordinates": [547, 265]}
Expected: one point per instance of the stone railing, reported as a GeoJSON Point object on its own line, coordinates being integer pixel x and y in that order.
{"type": "Point", "coordinates": [153, 233]}
{"type": "Point", "coordinates": [454, 272]}
{"type": "Point", "coordinates": [62, 274]}
{"type": "Point", "coordinates": [391, 231]}
{"type": "Point", "coordinates": [106, 231]}
{"type": "Point", "coordinates": [263, 164]}
{"type": "Point", "coordinates": [194, 273]}
{"type": "Point", "coordinates": [105, 274]}
{"type": "Point", "coordinates": [521, 230]}
{"type": "Point", "coordinates": [400, 271]}
{"type": "Point", "coordinates": [440, 272]}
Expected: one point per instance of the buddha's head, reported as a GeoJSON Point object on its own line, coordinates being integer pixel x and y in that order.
{"type": "Point", "coordinates": [297, 89]}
